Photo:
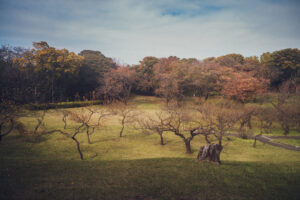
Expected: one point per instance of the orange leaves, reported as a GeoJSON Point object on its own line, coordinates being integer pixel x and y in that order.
{"type": "Point", "coordinates": [242, 86]}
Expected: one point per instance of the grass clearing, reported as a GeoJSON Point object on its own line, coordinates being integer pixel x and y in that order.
{"type": "Point", "coordinates": [136, 166]}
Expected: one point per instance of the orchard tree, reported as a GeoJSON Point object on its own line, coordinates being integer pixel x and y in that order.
{"type": "Point", "coordinates": [287, 112]}
{"type": "Point", "coordinates": [8, 115]}
{"type": "Point", "coordinates": [127, 114]}
{"type": "Point", "coordinates": [218, 118]}
{"type": "Point", "coordinates": [156, 124]}
{"type": "Point", "coordinates": [179, 120]}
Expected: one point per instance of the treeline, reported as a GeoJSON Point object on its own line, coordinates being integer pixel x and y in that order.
{"type": "Point", "coordinates": [46, 74]}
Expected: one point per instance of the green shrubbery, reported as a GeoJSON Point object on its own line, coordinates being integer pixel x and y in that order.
{"type": "Point", "coordinates": [71, 104]}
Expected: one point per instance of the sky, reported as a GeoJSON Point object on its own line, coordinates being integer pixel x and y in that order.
{"type": "Point", "coordinates": [129, 30]}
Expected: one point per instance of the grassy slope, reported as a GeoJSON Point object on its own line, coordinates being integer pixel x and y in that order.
{"type": "Point", "coordinates": [137, 167]}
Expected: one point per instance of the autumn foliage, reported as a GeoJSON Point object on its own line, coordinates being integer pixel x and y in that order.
{"type": "Point", "coordinates": [242, 86]}
{"type": "Point", "coordinates": [45, 74]}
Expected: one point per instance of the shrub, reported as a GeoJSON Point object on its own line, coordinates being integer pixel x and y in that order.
{"type": "Point", "coordinates": [71, 104]}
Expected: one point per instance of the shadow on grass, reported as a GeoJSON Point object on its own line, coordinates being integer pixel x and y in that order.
{"type": "Point", "coordinates": [160, 178]}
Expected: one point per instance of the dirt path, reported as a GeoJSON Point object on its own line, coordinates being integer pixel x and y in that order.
{"type": "Point", "coordinates": [268, 140]}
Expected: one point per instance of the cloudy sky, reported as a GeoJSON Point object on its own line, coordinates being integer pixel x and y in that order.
{"type": "Point", "coordinates": [129, 30]}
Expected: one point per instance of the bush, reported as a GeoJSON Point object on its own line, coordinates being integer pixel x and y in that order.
{"type": "Point", "coordinates": [71, 104]}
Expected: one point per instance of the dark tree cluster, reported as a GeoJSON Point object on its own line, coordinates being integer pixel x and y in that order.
{"type": "Point", "coordinates": [46, 74]}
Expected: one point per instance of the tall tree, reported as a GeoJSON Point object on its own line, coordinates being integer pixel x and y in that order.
{"type": "Point", "coordinates": [243, 87]}
{"type": "Point", "coordinates": [117, 84]}
{"type": "Point", "coordinates": [49, 66]}
{"type": "Point", "coordinates": [284, 65]}
{"type": "Point", "coordinates": [145, 75]}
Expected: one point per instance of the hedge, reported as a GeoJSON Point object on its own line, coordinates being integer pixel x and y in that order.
{"type": "Point", "coordinates": [71, 104]}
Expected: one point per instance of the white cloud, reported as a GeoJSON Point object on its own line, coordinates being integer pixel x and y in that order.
{"type": "Point", "coordinates": [131, 29]}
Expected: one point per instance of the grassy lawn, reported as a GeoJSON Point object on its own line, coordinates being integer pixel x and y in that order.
{"type": "Point", "coordinates": [136, 166]}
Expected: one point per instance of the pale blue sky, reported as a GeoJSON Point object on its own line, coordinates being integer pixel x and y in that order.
{"type": "Point", "coordinates": [129, 30]}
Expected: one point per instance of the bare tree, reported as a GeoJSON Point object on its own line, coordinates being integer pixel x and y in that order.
{"type": "Point", "coordinates": [287, 111]}
{"type": "Point", "coordinates": [180, 121]}
{"type": "Point", "coordinates": [102, 114]}
{"type": "Point", "coordinates": [219, 119]}
{"type": "Point", "coordinates": [9, 115]}
{"type": "Point", "coordinates": [84, 118]}
{"type": "Point", "coordinates": [157, 124]}
{"type": "Point", "coordinates": [127, 114]}
{"type": "Point", "coordinates": [65, 113]}
{"type": "Point", "coordinates": [7, 119]}
{"type": "Point", "coordinates": [71, 135]}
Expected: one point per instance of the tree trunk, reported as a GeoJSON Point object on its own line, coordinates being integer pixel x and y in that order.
{"type": "Point", "coordinates": [188, 146]}
{"type": "Point", "coordinates": [286, 128]}
{"type": "Point", "coordinates": [35, 94]}
{"type": "Point", "coordinates": [254, 144]}
{"type": "Point", "coordinates": [206, 96]}
{"type": "Point", "coordinates": [65, 122]}
{"type": "Point", "coordinates": [210, 152]}
{"type": "Point", "coordinates": [88, 137]}
{"type": "Point", "coordinates": [249, 123]}
{"type": "Point", "coordinates": [161, 139]}
{"type": "Point", "coordinates": [121, 132]}
{"type": "Point", "coordinates": [0, 132]}
{"type": "Point", "coordinates": [52, 91]}
{"type": "Point", "coordinates": [78, 147]}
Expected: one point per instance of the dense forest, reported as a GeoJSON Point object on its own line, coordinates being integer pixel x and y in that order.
{"type": "Point", "coordinates": [46, 74]}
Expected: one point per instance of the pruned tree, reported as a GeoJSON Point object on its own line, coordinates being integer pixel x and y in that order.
{"type": "Point", "coordinates": [287, 112]}
{"type": "Point", "coordinates": [157, 124]}
{"type": "Point", "coordinates": [84, 118]}
{"type": "Point", "coordinates": [7, 119]}
{"type": "Point", "coordinates": [247, 112]}
{"type": "Point", "coordinates": [65, 113]}
{"type": "Point", "coordinates": [71, 135]}
{"type": "Point", "coordinates": [127, 114]}
{"type": "Point", "coordinates": [266, 116]}
{"type": "Point", "coordinates": [219, 118]}
{"type": "Point", "coordinates": [40, 116]}
{"type": "Point", "coordinates": [180, 121]}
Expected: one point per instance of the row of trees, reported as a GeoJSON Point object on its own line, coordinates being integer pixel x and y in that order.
{"type": "Point", "coordinates": [46, 74]}
{"type": "Point", "coordinates": [214, 120]}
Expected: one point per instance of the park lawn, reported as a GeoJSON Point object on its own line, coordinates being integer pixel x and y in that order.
{"type": "Point", "coordinates": [136, 166]}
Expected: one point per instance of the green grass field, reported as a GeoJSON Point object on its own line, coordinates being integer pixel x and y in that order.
{"type": "Point", "coordinates": [136, 166]}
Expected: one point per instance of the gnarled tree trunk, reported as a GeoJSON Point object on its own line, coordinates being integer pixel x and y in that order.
{"type": "Point", "coordinates": [210, 152]}
{"type": "Point", "coordinates": [188, 148]}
